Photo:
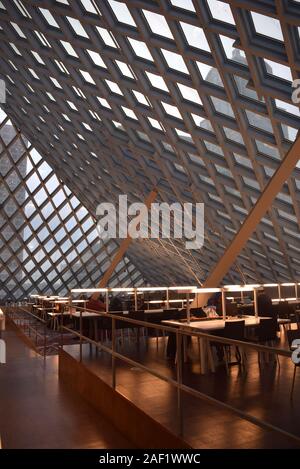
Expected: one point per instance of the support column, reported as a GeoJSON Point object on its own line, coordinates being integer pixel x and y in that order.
{"type": "Point", "coordinates": [121, 251]}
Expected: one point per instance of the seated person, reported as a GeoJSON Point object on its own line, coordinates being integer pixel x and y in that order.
{"type": "Point", "coordinates": [231, 308]}
{"type": "Point", "coordinates": [96, 305]}
{"type": "Point", "coordinates": [264, 304]}
{"type": "Point", "coordinates": [115, 304]}
{"type": "Point", "coordinates": [216, 301]}
{"type": "Point", "coordinates": [198, 313]}
{"type": "Point", "coordinates": [141, 306]}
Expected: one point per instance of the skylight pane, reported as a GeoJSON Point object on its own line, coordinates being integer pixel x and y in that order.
{"type": "Point", "coordinates": [140, 98]}
{"type": "Point", "coordinates": [15, 48]}
{"type": "Point", "coordinates": [175, 61]}
{"type": "Point", "coordinates": [69, 48]}
{"type": "Point", "coordinates": [158, 24]}
{"type": "Point", "coordinates": [278, 70]}
{"type": "Point", "coordinates": [184, 4]}
{"type": "Point", "coordinates": [77, 27]}
{"type": "Point", "coordinates": [222, 106]}
{"type": "Point", "coordinates": [96, 58]}
{"type": "Point", "coordinates": [90, 7]}
{"type": "Point", "coordinates": [129, 112]}
{"type": "Point", "coordinates": [259, 121]}
{"type": "Point", "coordinates": [232, 53]}
{"type": "Point", "coordinates": [49, 18]}
{"type": "Point", "coordinates": [171, 110]}
{"type": "Point", "coordinates": [195, 36]}
{"type": "Point", "coordinates": [22, 9]}
{"type": "Point", "coordinates": [157, 81]}
{"type": "Point", "coordinates": [233, 135]}
{"type": "Point", "coordinates": [267, 26]}
{"type": "Point", "coordinates": [122, 12]}
{"type": "Point", "coordinates": [190, 94]}
{"type": "Point", "coordinates": [103, 102]}
{"type": "Point", "coordinates": [124, 68]}
{"type": "Point", "coordinates": [42, 39]}
{"type": "Point", "coordinates": [107, 37]}
{"type": "Point", "coordinates": [154, 123]}
{"type": "Point", "coordinates": [37, 57]}
{"type": "Point", "coordinates": [140, 49]}
{"type": "Point", "coordinates": [114, 87]}
{"type": "Point", "coordinates": [18, 30]}
{"type": "Point", "coordinates": [220, 11]}
{"type": "Point", "coordinates": [289, 133]}
{"type": "Point", "coordinates": [287, 107]}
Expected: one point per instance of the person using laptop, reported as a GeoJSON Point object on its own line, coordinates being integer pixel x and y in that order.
{"type": "Point", "coordinates": [264, 304]}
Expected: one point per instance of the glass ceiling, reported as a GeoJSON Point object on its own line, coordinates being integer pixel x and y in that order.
{"type": "Point", "coordinates": [48, 240]}
{"type": "Point", "coordinates": [192, 97]}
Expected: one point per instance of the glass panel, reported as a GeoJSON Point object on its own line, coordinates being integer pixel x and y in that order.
{"type": "Point", "coordinates": [220, 11]}
{"type": "Point", "coordinates": [195, 36]}
{"type": "Point", "coordinates": [122, 13]}
{"type": "Point", "coordinates": [140, 49]}
{"type": "Point", "coordinates": [158, 24]}
{"type": "Point", "coordinates": [267, 26]}
{"type": "Point", "coordinates": [175, 61]}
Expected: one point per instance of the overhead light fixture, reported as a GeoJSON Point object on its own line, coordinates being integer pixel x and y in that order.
{"type": "Point", "coordinates": [88, 290]}
{"type": "Point", "coordinates": [238, 288]}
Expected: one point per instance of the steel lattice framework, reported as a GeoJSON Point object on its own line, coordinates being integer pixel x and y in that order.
{"type": "Point", "coordinates": [190, 96]}
{"type": "Point", "coordinates": [48, 240]}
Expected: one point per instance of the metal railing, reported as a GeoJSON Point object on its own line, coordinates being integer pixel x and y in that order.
{"type": "Point", "coordinates": [30, 329]}
{"type": "Point", "coordinates": [177, 383]}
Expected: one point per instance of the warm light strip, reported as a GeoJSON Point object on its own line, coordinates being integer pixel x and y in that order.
{"type": "Point", "coordinates": [88, 290]}
{"type": "Point", "coordinates": [178, 301]}
{"type": "Point", "coordinates": [45, 297]}
{"type": "Point", "coordinates": [236, 288]}
{"type": "Point", "coordinates": [193, 289]}
{"type": "Point", "coordinates": [170, 301]}
{"type": "Point", "coordinates": [73, 301]}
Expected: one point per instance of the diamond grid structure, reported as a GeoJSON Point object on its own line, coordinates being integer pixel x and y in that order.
{"type": "Point", "coordinates": [48, 240]}
{"type": "Point", "coordinates": [191, 97]}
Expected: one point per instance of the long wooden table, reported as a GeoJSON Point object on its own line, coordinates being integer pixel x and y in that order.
{"type": "Point", "coordinates": [209, 326]}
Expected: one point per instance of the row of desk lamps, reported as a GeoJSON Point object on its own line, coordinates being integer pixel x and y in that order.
{"type": "Point", "coordinates": [187, 290]}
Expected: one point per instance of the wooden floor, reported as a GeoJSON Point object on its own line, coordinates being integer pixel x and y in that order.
{"type": "Point", "coordinates": [263, 392]}
{"type": "Point", "coordinates": [37, 412]}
